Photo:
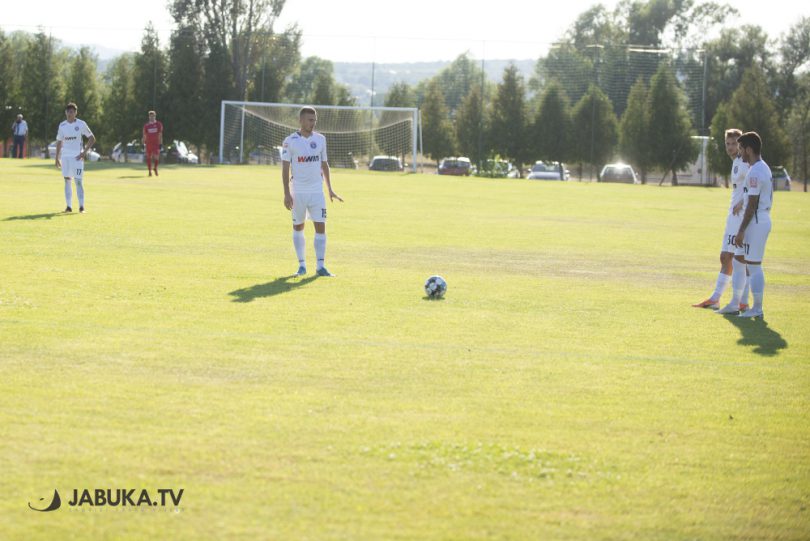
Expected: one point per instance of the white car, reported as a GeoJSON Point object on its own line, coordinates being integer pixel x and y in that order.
{"type": "Point", "coordinates": [618, 172]}
{"type": "Point", "coordinates": [93, 156]}
{"type": "Point", "coordinates": [548, 171]}
{"type": "Point", "coordinates": [135, 152]}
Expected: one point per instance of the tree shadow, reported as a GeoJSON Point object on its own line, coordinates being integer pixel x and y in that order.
{"type": "Point", "coordinates": [46, 216]}
{"type": "Point", "coordinates": [755, 332]}
{"type": "Point", "coordinates": [280, 285]}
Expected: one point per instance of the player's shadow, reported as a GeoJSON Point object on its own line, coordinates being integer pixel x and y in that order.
{"type": "Point", "coordinates": [755, 332]}
{"type": "Point", "coordinates": [46, 216]}
{"type": "Point", "coordinates": [270, 289]}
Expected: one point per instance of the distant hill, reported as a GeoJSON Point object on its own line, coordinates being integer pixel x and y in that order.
{"type": "Point", "coordinates": [357, 75]}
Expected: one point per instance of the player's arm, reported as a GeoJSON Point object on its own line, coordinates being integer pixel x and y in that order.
{"type": "Point", "coordinates": [160, 134]}
{"type": "Point", "coordinates": [143, 135]}
{"type": "Point", "coordinates": [753, 203]}
{"type": "Point", "coordinates": [285, 180]}
{"type": "Point", "coordinates": [91, 140]}
{"type": "Point", "coordinates": [58, 153]}
{"type": "Point", "coordinates": [328, 179]}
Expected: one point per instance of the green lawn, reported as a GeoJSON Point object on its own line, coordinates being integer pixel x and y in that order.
{"type": "Point", "coordinates": [563, 389]}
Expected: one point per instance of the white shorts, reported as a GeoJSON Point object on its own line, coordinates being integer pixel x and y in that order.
{"type": "Point", "coordinates": [732, 226]}
{"type": "Point", "coordinates": [756, 235]}
{"type": "Point", "coordinates": [308, 205]}
{"type": "Point", "coordinates": [72, 168]}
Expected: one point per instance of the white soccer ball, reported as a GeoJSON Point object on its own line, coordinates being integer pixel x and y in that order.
{"type": "Point", "coordinates": [435, 287]}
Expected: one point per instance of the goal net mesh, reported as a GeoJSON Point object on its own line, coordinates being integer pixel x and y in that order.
{"type": "Point", "coordinates": [253, 132]}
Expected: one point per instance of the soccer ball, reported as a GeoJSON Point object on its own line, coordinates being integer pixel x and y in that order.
{"type": "Point", "coordinates": [435, 287]}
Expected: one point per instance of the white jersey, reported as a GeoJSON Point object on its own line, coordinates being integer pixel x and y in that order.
{"type": "Point", "coordinates": [70, 133]}
{"type": "Point", "coordinates": [738, 171]}
{"type": "Point", "coordinates": [305, 154]}
{"type": "Point", "coordinates": [759, 181]}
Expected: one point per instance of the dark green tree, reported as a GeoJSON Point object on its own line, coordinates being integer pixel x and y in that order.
{"type": "Point", "coordinates": [635, 134]}
{"type": "Point", "coordinates": [217, 86]}
{"type": "Point", "coordinates": [672, 148]}
{"type": "Point", "coordinates": [752, 108]}
{"type": "Point", "coordinates": [83, 88]}
{"type": "Point", "coordinates": [471, 126]}
{"type": "Point", "coordinates": [509, 119]}
{"type": "Point", "coordinates": [150, 73]}
{"type": "Point", "coordinates": [43, 100]}
{"type": "Point", "coordinates": [121, 119]}
{"type": "Point", "coordinates": [551, 130]}
{"type": "Point", "coordinates": [437, 130]}
{"type": "Point", "coordinates": [184, 105]}
{"type": "Point", "coordinates": [595, 133]}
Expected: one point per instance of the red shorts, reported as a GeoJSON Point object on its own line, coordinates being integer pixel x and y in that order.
{"type": "Point", "coordinates": [152, 150]}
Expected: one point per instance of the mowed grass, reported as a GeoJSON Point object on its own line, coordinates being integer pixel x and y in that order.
{"type": "Point", "coordinates": [564, 389]}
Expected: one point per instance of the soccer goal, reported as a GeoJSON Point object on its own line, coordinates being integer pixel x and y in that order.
{"type": "Point", "coordinates": [252, 132]}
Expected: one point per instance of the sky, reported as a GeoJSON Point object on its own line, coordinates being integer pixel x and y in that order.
{"type": "Point", "coordinates": [364, 30]}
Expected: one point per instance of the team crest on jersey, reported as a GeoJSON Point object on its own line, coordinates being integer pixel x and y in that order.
{"type": "Point", "coordinates": [76, 128]}
{"type": "Point", "coordinates": [736, 168]}
{"type": "Point", "coordinates": [313, 144]}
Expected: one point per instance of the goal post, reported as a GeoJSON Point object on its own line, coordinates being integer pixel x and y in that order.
{"type": "Point", "coordinates": [253, 132]}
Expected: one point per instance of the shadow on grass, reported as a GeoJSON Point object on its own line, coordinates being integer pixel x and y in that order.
{"type": "Point", "coordinates": [270, 289]}
{"type": "Point", "coordinates": [755, 332]}
{"type": "Point", "coordinates": [46, 216]}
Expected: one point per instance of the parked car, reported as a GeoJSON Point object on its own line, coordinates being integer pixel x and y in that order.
{"type": "Point", "coordinates": [386, 163]}
{"type": "Point", "coordinates": [93, 156]}
{"type": "Point", "coordinates": [455, 166]}
{"type": "Point", "coordinates": [548, 171]}
{"type": "Point", "coordinates": [134, 152]}
{"type": "Point", "coordinates": [178, 152]}
{"type": "Point", "coordinates": [618, 172]}
{"type": "Point", "coordinates": [781, 179]}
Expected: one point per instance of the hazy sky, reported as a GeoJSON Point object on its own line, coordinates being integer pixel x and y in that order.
{"type": "Point", "coordinates": [364, 30]}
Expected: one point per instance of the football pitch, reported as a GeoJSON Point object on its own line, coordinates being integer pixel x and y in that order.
{"type": "Point", "coordinates": [563, 389]}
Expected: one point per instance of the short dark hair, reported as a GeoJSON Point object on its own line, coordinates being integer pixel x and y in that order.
{"type": "Point", "coordinates": [306, 110]}
{"type": "Point", "coordinates": [752, 140]}
{"type": "Point", "coordinates": [733, 132]}
{"type": "Point", "coordinates": [71, 105]}
{"type": "Point", "coordinates": [151, 113]}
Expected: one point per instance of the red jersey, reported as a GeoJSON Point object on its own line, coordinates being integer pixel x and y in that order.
{"type": "Point", "coordinates": [152, 131]}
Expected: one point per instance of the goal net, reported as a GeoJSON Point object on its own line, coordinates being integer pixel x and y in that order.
{"type": "Point", "coordinates": [253, 132]}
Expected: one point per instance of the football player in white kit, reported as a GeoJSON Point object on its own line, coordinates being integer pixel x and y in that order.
{"type": "Point", "coordinates": [304, 153]}
{"type": "Point", "coordinates": [739, 168]}
{"type": "Point", "coordinates": [69, 139]}
{"type": "Point", "coordinates": [753, 234]}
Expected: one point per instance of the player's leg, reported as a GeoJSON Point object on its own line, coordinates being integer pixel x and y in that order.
{"type": "Point", "coordinates": [78, 178]}
{"type": "Point", "coordinates": [757, 237]}
{"type": "Point", "coordinates": [317, 209]}
{"type": "Point", "coordinates": [738, 279]}
{"type": "Point", "coordinates": [148, 157]}
{"type": "Point", "coordinates": [67, 174]}
{"type": "Point", "coordinates": [726, 257]}
{"type": "Point", "coordinates": [155, 159]}
{"type": "Point", "coordinates": [299, 215]}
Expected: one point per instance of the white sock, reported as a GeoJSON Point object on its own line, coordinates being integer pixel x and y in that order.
{"type": "Point", "coordinates": [738, 280]}
{"type": "Point", "coordinates": [320, 248]}
{"type": "Point", "coordinates": [80, 191]}
{"type": "Point", "coordinates": [757, 280]}
{"type": "Point", "coordinates": [722, 282]}
{"type": "Point", "coordinates": [300, 244]}
{"type": "Point", "coordinates": [744, 296]}
{"type": "Point", "coordinates": [68, 192]}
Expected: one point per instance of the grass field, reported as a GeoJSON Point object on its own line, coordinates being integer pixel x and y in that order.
{"type": "Point", "coordinates": [563, 389]}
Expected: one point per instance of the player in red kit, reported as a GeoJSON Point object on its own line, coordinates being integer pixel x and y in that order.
{"type": "Point", "coordinates": [152, 140]}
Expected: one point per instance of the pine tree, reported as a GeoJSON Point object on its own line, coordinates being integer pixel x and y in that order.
{"type": "Point", "coordinates": [437, 130]}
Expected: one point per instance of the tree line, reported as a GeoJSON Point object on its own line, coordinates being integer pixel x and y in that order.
{"type": "Point", "coordinates": [632, 83]}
